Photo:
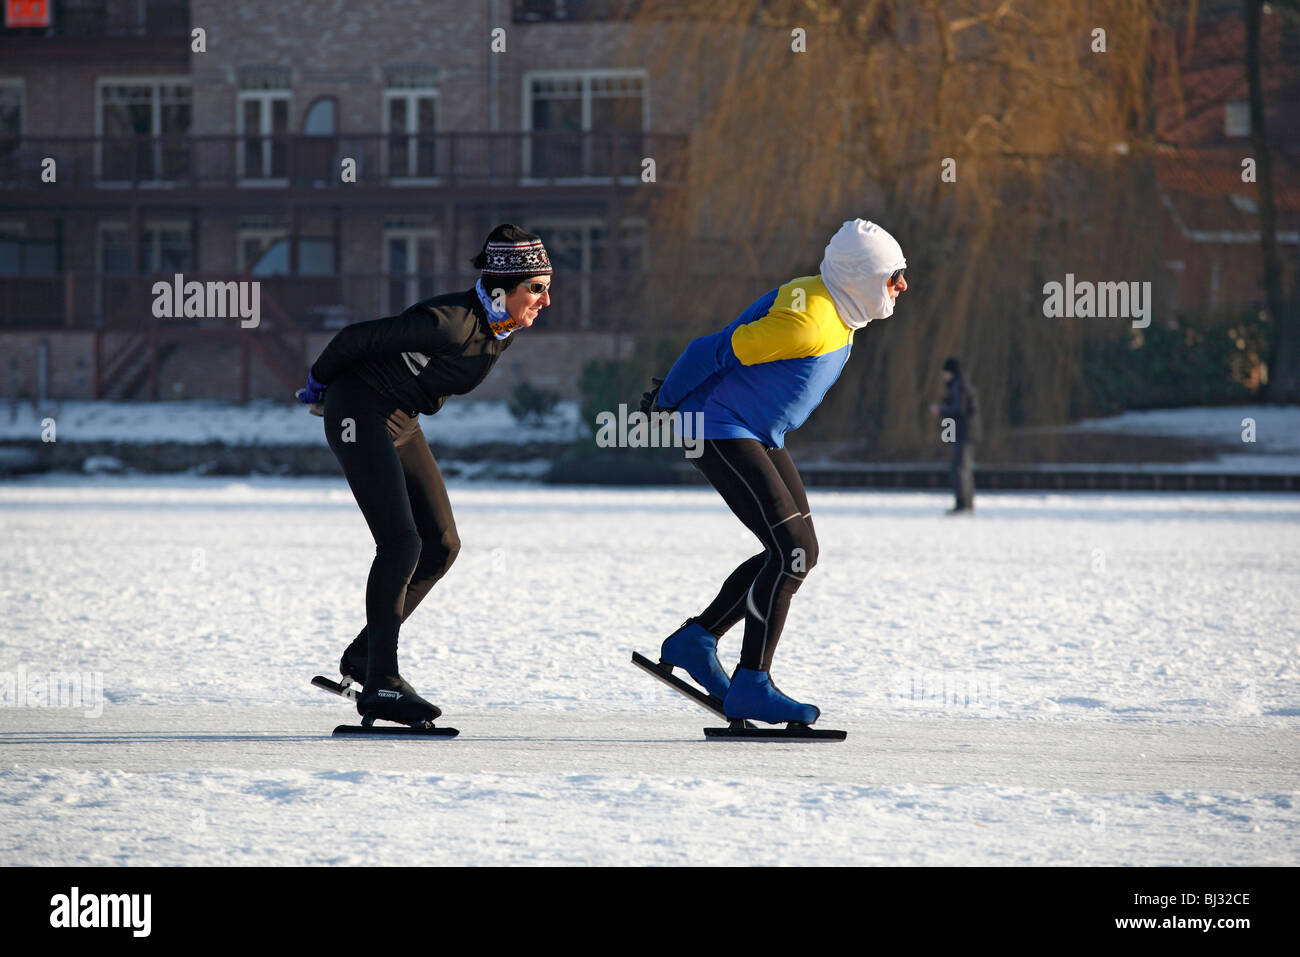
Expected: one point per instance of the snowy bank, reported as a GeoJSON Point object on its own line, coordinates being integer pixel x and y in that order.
{"type": "Point", "coordinates": [461, 422]}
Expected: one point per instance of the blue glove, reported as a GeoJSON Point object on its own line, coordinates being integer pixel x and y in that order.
{"type": "Point", "coordinates": [314, 392]}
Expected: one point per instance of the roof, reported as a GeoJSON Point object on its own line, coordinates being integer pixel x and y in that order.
{"type": "Point", "coordinates": [1204, 192]}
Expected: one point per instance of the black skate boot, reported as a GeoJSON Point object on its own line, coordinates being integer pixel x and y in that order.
{"type": "Point", "coordinates": [352, 666]}
{"type": "Point", "coordinates": [390, 698]}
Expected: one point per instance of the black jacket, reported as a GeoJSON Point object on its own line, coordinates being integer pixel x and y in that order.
{"type": "Point", "coordinates": [434, 349]}
{"type": "Point", "coordinates": [961, 404]}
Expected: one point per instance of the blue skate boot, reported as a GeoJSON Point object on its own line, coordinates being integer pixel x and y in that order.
{"type": "Point", "coordinates": [752, 695]}
{"type": "Point", "coordinates": [695, 648]}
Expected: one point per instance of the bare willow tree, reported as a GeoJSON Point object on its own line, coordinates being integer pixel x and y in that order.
{"type": "Point", "coordinates": [1284, 383]}
{"type": "Point", "coordinates": [1004, 142]}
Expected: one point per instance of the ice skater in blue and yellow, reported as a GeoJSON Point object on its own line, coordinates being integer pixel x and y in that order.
{"type": "Point", "coordinates": [752, 382]}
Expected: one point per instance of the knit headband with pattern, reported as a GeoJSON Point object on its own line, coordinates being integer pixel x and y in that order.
{"type": "Point", "coordinates": [526, 258]}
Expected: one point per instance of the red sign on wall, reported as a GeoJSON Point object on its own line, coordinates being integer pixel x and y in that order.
{"type": "Point", "coordinates": [27, 13]}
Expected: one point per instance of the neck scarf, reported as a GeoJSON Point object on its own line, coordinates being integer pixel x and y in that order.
{"type": "Point", "coordinates": [500, 321]}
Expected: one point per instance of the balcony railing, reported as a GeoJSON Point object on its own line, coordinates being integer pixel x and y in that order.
{"type": "Point", "coordinates": [116, 18]}
{"type": "Point", "coordinates": [552, 11]}
{"type": "Point", "coordinates": [455, 159]}
{"type": "Point", "coordinates": [294, 304]}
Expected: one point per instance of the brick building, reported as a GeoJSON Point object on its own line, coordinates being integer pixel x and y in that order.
{"type": "Point", "coordinates": [1211, 232]}
{"type": "Point", "coordinates": [218, 140]}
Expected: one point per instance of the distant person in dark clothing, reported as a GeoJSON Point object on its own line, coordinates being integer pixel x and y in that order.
{"type": "Point", "coordinates": [961, 405]}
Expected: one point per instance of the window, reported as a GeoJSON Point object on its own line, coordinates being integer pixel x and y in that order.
{"type": "Point", "coordinates": [582, 245]}
{"type": "Point", "coordinates": [165, 247]}
{"type": "Point", "coordinates": [114, 250]}
{"type": "Point", "coordinates": [145, 125]}
{"type": "Point", "coordinates": [320, 118]}
{"type": "Point", "coordinates": [1174, 287]}
{"type": "Point", "coordinates": [589, 124]}
{"type": "Point", "coordinates": [121, 18]}
{"type": "Point", "coordinates": [11, 117]}
{"type": "Point", "coordinates": [534, 11]}
{"type": "Point", "coordinates": [1236, 118]}
{"type": "Point", "coordinates": [409, 248]}
{"type": "Point", "coordinates": [22, 256]}
{"type": "Point", "coordinates": [410, 119]}
{"type": "Point", "coordinates": [252, 239]}
{"type": "Point", "coordinates": [589, 271]}
{"type": "Point", "coordinates": [1244, 204]}
{"type": "Point", "coordinates": [315, 258]}
{"type": "Point", "coordinates": [262, 250]}
{"type": "Point", "coordinates": [616, 104]}
{"type": "Point", "coordinates": [314, 160]}
{"type": "Point", "coordinates": [262, 121]}
{"type": "Point", "coordinates": [11, 248]}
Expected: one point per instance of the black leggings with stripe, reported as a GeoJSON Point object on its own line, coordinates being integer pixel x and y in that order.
{"type": "Point", "coordinates": [762, 487]}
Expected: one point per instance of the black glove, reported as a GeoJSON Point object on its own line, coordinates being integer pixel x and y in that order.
{"type": "Point", "coordinates": [649, 398]}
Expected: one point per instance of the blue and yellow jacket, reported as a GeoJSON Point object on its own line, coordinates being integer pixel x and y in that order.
{"type": "Point", "coordinates": [763, 374]}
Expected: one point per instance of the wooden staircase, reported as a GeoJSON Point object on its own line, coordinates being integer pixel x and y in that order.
{"type": "Point", "coordinates": [130, 371]}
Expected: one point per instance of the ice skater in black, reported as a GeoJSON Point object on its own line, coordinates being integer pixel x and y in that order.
{"type": "Point", "coordinates": [371, 383]}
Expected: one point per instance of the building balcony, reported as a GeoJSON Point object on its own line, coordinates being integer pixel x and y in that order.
{"type": "Point", "coordinates": [572, 11]}
{"type": "Point", "coordinates": [452, 163]}
{"type": "Point", "coordinates": [291, 305]}
{"type": "Point", "coordinates": [94, 29]}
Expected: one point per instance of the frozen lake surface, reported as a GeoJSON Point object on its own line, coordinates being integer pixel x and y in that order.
{"type": "Point", "coordinates": [1066, 678]}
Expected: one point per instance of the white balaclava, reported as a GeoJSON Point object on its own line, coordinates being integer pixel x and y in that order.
{"type": "Point", "coordinates": [856, 268]}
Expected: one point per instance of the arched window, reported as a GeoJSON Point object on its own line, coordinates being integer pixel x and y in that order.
{"type": "Point", "coordinates": [320, 117]}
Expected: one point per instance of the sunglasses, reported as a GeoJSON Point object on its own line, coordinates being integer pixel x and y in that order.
{"type": "Point", "coordinates": [897, 275]}
{"type": "Point", "coordinates": [536, 288]}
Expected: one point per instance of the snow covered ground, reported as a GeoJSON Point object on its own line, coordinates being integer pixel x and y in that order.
{"type": "Point", "coordinates": [464, 422]}
{"type": "Point", "coordinates": [1253, 438]}
{"type": "Point", "coordinates": [1066, 678]}
{"type": "Point", "coordinates": [262, 422]}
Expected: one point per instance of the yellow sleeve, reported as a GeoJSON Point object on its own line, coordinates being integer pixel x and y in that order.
{"type": "Point", "coordinates": [787, 332]}
{"type": "Point", "coordinates": [778, 335]}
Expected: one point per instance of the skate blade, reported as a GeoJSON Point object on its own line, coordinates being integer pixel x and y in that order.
{"type": "Point", "coordinates": [400, 730]}
{"type": "Point", "coordinates": [793, 731]}
{"type": "Point", "coordinates": [349, 691]}
{"type": "Point", "coordinates": [665, 674]}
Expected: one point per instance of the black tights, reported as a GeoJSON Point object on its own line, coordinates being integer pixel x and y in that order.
{"type": "Point", "coordinates": [763, 488]}
{"type": "Point", "coordinates": [396, 481]}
